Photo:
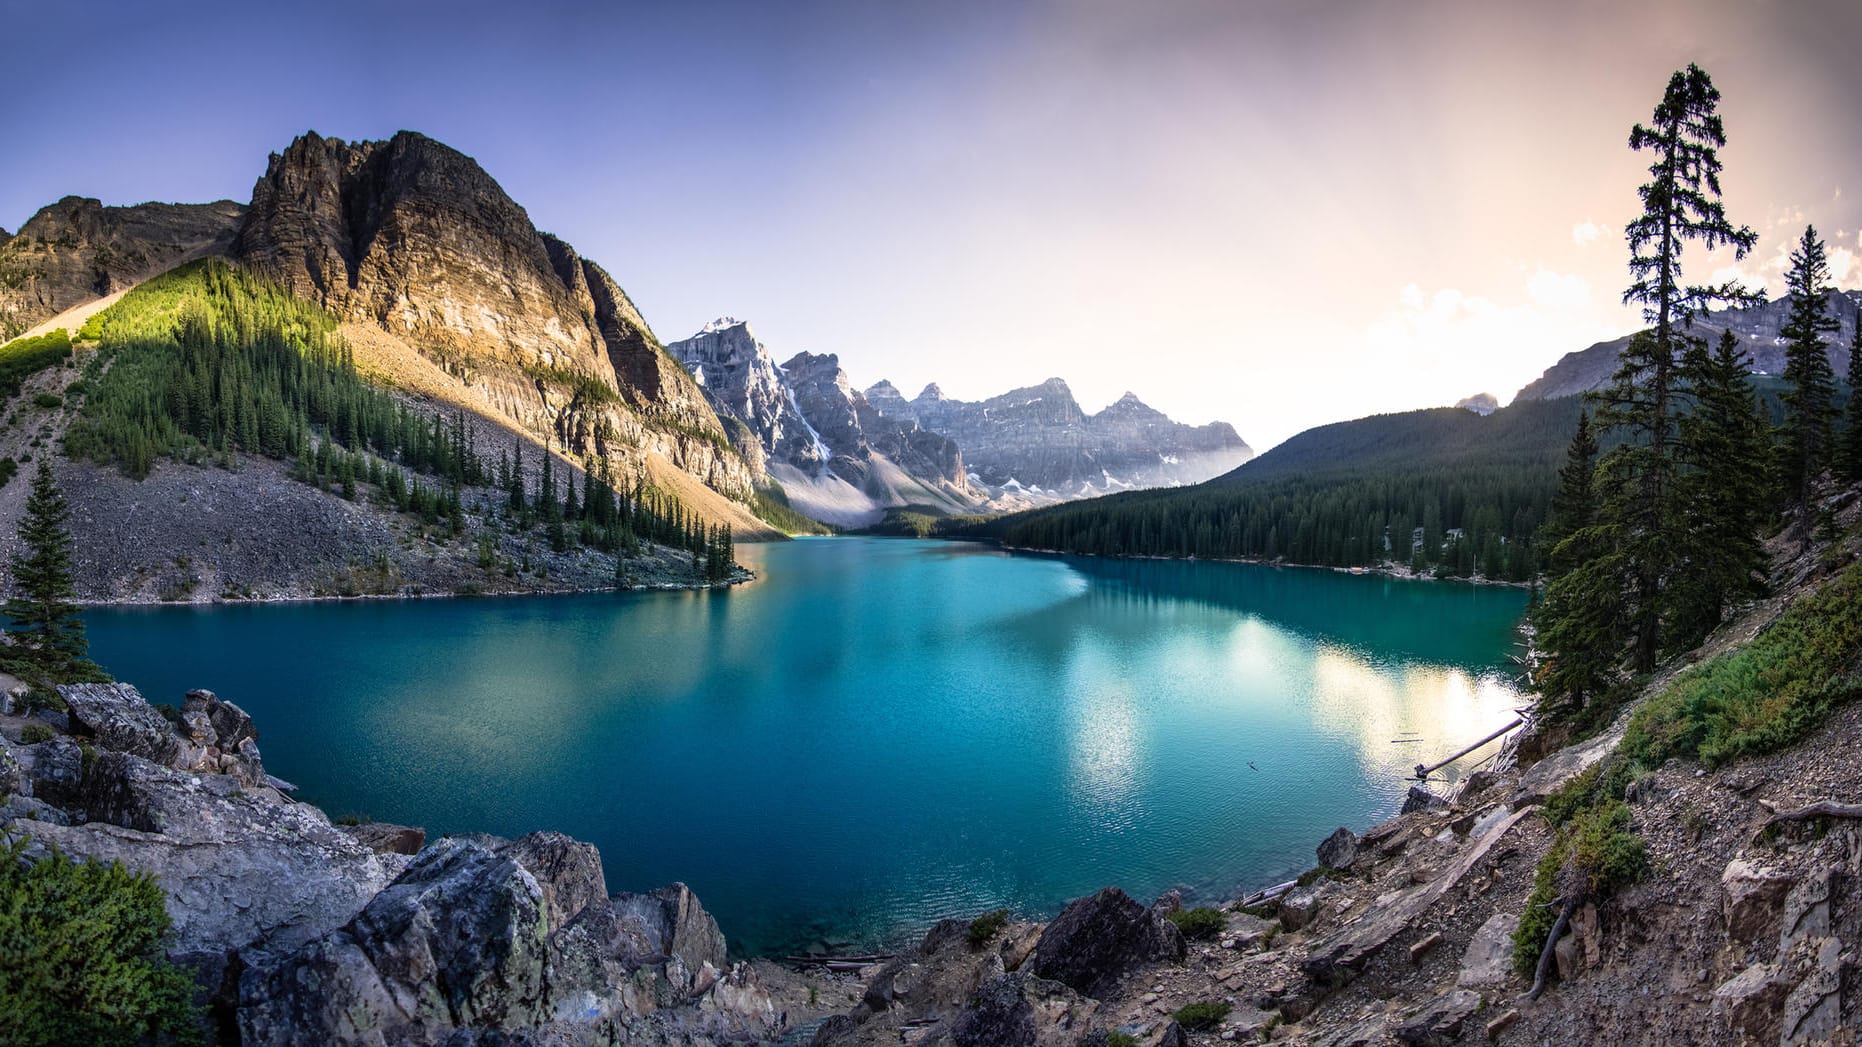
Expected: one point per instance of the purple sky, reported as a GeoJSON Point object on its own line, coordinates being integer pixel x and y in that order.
{"type": "Point", "coordinates": [1275, 213]}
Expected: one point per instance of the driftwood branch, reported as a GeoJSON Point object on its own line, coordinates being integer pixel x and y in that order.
{"type": "Point", "coordinates": [1551, 948]}
{"type": "Point", "coordinates": [1423, 771]}
{"type": "Point", "coordinates": [1820, 809]}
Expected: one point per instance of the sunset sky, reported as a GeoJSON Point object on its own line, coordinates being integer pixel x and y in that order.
{"type": "Point", "coordinates": [1275, 213]}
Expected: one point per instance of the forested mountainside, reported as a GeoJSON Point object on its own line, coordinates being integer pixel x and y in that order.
{"type": "Point", "coordinates": [223, 444]}
{"type": "Point", "coordinates": [447, 288]}
{"type": "Point", "coordinates": [441, 290]}
{"type": "Point", "coordinates": [1444, 489]}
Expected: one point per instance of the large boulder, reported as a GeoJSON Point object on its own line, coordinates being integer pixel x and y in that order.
{"type": "Point", "coordinates": [568, 870]}
{"type": "Point", "coordinates": [458, 941]}
{"type": "Point", "coordinates": [1019, 1010]}
{"type": "Point", "coordinates": [461, 949]}
{"type": "Point", "coordinates": [116, 715]}
{"type": "Point", "coordinates": [1441, 1019]}
{"type": "Point", "coordinates": [1753, 895]}
{"type": "Point", "coordinates": [1097, 939]}
{"type": "Point", "coordinates": [1488, 961]}
{"type": "Point", "coordinates": [388, 838]}
{"type": "Point", "coordinates": [242, 870]}
{"type": "Point", "coordinates": [53, 770]}
{"type": "Point", "coordinates": [1339, 850]}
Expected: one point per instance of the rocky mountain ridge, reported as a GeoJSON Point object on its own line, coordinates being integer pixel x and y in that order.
{"type": "Point", "coordinates": [1759, 329]}
{"type": "Point", "coordinates": [447, 293]}
{"type": "Point", "coordinates": [837, 459]}
{"type": "Point", "coordinates": [77, 250]}
{"type": "Point", "coordinates": [843, 454]}
{"type": "Point", "coordinates": [1039, 441]}
{"type": "Point", "coordinates": [415, 240]}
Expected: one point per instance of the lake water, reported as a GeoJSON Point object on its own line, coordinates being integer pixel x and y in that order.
{"type": "Point", "coordinates": [876, 734]}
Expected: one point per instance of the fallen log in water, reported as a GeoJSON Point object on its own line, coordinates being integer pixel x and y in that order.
{"type": "Point", "coordinates": [1423, 772]}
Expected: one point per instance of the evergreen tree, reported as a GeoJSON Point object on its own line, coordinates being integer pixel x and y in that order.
{"type": "Point", "coordinates": [1577, 619]}
{"type": "Point", "coordinates": [44, 620]}
{"type": "Point", "coordinates": [517, 479]}
{"type": "Point", "coordinates": [1810, 411]}
{"type": "Point", "coordinates": [1724, 492]}
{"type": "Point", "coordinates": [1680, 203]}
{"type": "Point", "coordinates": [1575, 506]}
{"type": "Point", "coordinates": [1852, 440]}
{"type": "Point", "coordinates": [547, 505]}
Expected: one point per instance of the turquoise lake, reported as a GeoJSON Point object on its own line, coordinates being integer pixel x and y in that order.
{"type": "Point", "coordinates": [877, 733]}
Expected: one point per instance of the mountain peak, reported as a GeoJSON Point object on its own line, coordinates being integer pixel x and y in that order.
{"type": "Point", "coordinates": [723, 323]}
{"type": "Point", "coordinates": [932, 394]}
{"type": "Point", "coordinates": [1480, 403]}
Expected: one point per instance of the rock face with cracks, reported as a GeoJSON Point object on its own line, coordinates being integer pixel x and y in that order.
{"type": "Point", "coordinates": [303, 932]}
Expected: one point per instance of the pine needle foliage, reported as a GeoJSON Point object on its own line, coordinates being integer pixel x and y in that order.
{"type": "Point", "coordinates": [81, 956]}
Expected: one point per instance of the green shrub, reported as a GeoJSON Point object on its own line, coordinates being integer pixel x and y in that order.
{"type": "Point", "coordinates": [48, 400]}
{"type": "Point", "coordinates": [987, 926]}
{"type": "Point", "coordinates": [1766, 695]}
{"type": "Point", "coordinates": [81, 956]}
{"type": "Point", "coordinates": [1595, 853]}
{"type": "Point", "coordinates": [34, 733]}
{"type": "Point", "coordinates": [1605, 850]}
{"type": "Point", "coordinates": [1200, 922]}
{"type": "Point", "coordinates": [1115, 1038]}
{"type": "Point", "coordinates": [1197, 1017]}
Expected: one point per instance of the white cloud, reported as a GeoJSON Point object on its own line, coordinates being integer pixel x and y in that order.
{"type": "Point", "coordinates": [1559, 290]}
{"type": "Point", "coordinates": [1447, 339]}
{"type": "Point", "coordinates": [1585, 232]}
{"type": "Point", "coordinates": [1843, 264]}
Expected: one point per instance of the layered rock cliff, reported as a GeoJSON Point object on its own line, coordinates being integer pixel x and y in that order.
{"type": "Point", "coordinates": [413, 240]}
{"type": "Point", "coordinates": [1760, 331]}
{"type": "Point", "coordinates": [77, 250]}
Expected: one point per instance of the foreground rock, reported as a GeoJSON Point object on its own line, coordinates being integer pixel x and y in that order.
{"type": "Point", "coordinates": [304, 932]}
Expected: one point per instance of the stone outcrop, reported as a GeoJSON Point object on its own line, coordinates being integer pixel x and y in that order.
{"type": "Point", "coordinates": [78, 250]}
{"type": "Point", "coordinates": [414, 239]}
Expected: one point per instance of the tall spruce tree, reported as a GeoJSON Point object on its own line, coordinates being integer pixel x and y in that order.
{"type": "Point", "coordinates": [1575, 505]}
{"type": "Point", "coordinates": [1724, 490]}
{"type": "Point", "coordinates": [44, 620]}
{"type": "Point", "coordinates": [1681, 203]}
{"type": "Point", "coordinates": [1852, 439]}
{"type": "Point", "coordinates": [1810, 397]}
{"type": "Point", "coordinates": [1579, 620]}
